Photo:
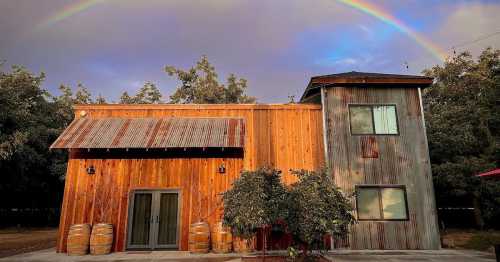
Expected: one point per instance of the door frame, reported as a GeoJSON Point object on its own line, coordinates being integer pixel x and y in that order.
{"type": "Point", "coordinates": [153, 234]}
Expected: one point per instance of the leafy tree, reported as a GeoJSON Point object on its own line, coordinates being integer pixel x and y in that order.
{"type": "Point", "coordinates": [82, 95]}
{"type": "Point", "coordinates": [317, 207]}
{"type": "Point", "coordinates": [125, 98]}
{"type": "Point", "coordinates": [255, 201]}
{"type": "Point", "coordinates": [462, 112]}
{"type": "Point", "coordinates": [31, 175]}
{"type": "Point", "coordinates": [148, 94]}
{"type": "Point", "coordinates": [200, 85]}
{"type": "Point", "coordinates": [100, 99]}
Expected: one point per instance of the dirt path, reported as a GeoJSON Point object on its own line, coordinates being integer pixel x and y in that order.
{"type": "Point", "coordinates": [13, 241]}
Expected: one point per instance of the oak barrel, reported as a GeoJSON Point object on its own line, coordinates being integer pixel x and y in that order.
{"type": "Point", "coordinates": [222, 239]}
{"type": "Point", "coordinates": [78, 239]}
{"type": "Point", "coordinates": [242, 245]}
{"type": "Point", "coordinates": [199, 237]}
{"type": "Point", "coordinates": [101, 239]}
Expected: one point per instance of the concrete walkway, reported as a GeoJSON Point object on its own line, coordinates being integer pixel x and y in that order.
{"type": "Point", "coordinates": [49, 255]}
{"type": "Point", "coordinates": [444, 255]}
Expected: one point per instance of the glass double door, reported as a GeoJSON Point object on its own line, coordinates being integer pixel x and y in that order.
{"type": "Point", "coordinates": [153, 220]}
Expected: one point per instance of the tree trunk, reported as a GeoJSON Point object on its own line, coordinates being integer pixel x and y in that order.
{"type": "Point", "coordinates": [478, 217]}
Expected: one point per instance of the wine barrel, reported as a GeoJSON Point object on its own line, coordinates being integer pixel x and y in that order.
{"type": "Point", "coordinates": [78, 239]}
{"type": "Point", "coordinates": [222, 239]}
{"type": "Point", "coordinates": [101, 239]}
{"type": "Point", "coordinates": [199, 237]}
{"type": "Point", "coordinates": [242, 245]}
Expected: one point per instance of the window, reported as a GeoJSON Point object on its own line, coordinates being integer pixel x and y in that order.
{"type": "Point", "coordinates": [373, 119]}
{"type": "Point", "coordinates": [381, 203]}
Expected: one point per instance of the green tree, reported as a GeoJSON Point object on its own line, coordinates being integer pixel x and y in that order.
{"type": "Point", "coordinates": [317, 207]}
{"type": "Point", "coordinates": [255, 201]}
{"type": "Point", "coordinates": [462, 114]}
{"type": "Point", "coordinates": [200, 85]}
{"type": "Point", "coordinates": [148, 94]}
{"type": "Point", "coordinates": [31, 175]}
{"type": "Point", "coordinates": [82, 95]}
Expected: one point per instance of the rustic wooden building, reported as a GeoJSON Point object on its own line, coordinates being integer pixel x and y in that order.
{"type": "Point", "coordinates": [152, 170]}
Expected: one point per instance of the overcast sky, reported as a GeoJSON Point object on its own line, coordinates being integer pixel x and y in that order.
{"type": "Point", "coordinates": [277, 45]}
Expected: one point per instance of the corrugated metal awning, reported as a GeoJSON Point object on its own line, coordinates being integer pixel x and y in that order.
{"type": "Point", "coordinates": [172, 132]}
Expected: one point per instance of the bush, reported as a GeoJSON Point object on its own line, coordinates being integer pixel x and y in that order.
{"type": "Point", "coordinates": [309, 209]}
{"type": "Point", "coordinates": [256, 200]}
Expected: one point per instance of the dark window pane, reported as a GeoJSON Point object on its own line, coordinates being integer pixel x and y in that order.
{"type": "Point", "coordinates": [167, 232]}
{"type": "Point", "coordinates": [140, 219]}
{"type": "Point", "coordinates": [393, 203]}
{"type": "Point", "coordinates": [368, 203]}
{"type": "Point", "coordinates": [361, 120]}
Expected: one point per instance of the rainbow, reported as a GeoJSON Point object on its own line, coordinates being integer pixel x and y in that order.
{"type": "Point", "coordinates": [68, 11]}
{"type": "Point", "coordinates": [390, 20]}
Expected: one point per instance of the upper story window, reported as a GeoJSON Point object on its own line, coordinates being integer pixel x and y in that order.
{"type": "Point", "coordinates": [381, 202]}
{"type": "Point", "coordinates": [373, 120]}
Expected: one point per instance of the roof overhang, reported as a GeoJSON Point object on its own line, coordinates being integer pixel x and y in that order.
{"type": "Point", "coordinates": [152, 133]}
{"type": "Point", "coordinates": [355, 79]}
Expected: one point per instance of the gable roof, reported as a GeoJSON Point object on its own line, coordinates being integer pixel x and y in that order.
{"type": "Point", "coordinates": [167, 132]}
{"type": "Point", "coordinates": [363, 79]}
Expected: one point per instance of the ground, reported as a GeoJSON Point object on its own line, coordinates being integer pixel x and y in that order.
{"type": "Point", "coordinates": [471, 239]}
{"type": "Point", "coordinates": [444, 255]}
{"type": "Point", "coordinates": [33, 243]}
{"type": "Point", "coordinates": [16, 241]}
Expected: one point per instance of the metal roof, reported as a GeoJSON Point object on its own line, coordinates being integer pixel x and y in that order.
{"type": "Point", "coordinates": [171, 132]}
{"type": "Point", "coordinates": [364, 79]}
{"type": "Point", "coordinates": [355, 74]}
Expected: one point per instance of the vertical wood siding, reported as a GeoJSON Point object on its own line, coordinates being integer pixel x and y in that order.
{"type": "Point", "coordinates": [282, 136]}
{"type": "Point", "coordinates": [400, 159]}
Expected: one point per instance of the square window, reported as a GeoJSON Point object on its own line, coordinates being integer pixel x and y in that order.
{"type": "Point", "coordinates": [368, 204]}
{"type": "Point", "coordinates": [361, 120]}
{"type": "Point", "coordinates": [381, 203]}
{"type": "Point", "coordinates": [373, 119]}
{"type": "Point", "coordinates": [384, 118]}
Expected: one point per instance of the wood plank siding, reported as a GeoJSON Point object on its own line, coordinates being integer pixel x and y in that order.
{"type": "Point", "coordinates": [282, 136]}
{"type": "Point", "coordinates": [383, 160]}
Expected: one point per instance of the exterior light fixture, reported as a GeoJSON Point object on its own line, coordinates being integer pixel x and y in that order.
{"type": "Point", "coordinates": [90, 170]}
{"type": "Point", "coordinates": [83, 113]}
{"type": "Point", "coordinates": [222, 168]}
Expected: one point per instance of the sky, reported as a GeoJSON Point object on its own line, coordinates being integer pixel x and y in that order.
{"type": "Point", "coordinates": [111, 46]}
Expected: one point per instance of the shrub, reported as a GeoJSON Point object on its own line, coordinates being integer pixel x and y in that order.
{"type": "Point", "coordinates": [256, 200]}
{"type": "Point", "coordinates": [317, 207]}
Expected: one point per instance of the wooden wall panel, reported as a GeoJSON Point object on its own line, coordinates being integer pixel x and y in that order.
{"type": "Point", "coordinates": [282, 136]}
{"type": "Point", "coordinates": [402, 160]}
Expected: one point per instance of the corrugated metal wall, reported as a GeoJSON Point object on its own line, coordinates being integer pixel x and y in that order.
{"type": "Point", "coordinates": [402, 160]}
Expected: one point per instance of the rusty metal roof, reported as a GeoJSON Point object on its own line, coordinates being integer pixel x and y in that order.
{"type": "Point", "coordinates": [171, 132]}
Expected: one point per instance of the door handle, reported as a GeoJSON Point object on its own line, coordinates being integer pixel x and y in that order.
{"type": "Point", "coordinates": [157, 219]}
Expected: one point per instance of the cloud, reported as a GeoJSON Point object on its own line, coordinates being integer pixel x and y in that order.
{"type": "Point", "coordinates": [467, 22]}
{"type": "Point", "coordinates": [277, 45]}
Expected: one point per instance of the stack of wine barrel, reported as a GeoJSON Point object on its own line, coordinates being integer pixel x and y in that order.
{"type": "Point", "coordinates": [200, 237]}
{"type": "Point", "coordinates": [80, 239]}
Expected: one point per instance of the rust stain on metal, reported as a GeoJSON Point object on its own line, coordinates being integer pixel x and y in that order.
{"type": "Point", "coordinates": [369, 147]}
{"type": "Point", "coordinates": [172, 132]}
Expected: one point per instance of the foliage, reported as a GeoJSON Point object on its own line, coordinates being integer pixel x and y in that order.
{"type": "Point", "coordinates": [148, 94]}
{"type": "Point", "coordinates": [462, 112]}
{"type": "Point", "coordinates": [256, 200]}
{"type": "Point", "coordinates": [29, 123]}
{"type": "Point", "coordinates": [317, 207]}
{"type": "Point", "coordinates": [200, 85]}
